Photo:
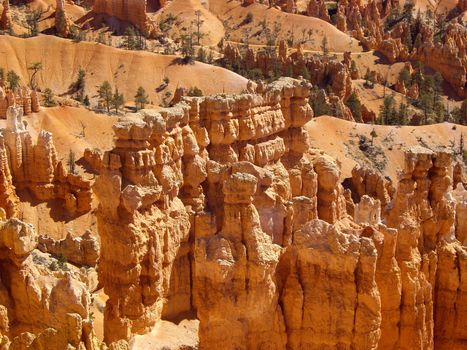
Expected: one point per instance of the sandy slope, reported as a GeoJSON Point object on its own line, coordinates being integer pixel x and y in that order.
{"type": "Point", "coordinates": [67, 124]}
{"type": "Point", "coordinates": [168, 335]}
{"type": "Point", "coordinates": [373, 98]}
{"type": "Point", "coordinates": [62, 59]}
{"type": "Point", "coordinates": [211, 28]}
{"type": "Point", "coordinates": [375, 61]}
{"type": "Point", "coordinates": [339, 138]}
{"type": "Point", "coordinates": [234, 13]}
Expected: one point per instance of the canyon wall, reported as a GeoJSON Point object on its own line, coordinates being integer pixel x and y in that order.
{"type": "Point", "coordinates": [222, 209]}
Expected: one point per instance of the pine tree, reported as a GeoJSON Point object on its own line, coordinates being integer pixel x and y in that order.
{"type": "Point", "coordinates": [187, 48]}
{"type": "Point", "coordinates": [387, 113]}
{"type": "Point", "coordinates": [426, 104]}
{"type": "Point", "coordinates": [105, 94]}
{"type": "Point", "coordinates": [201, 55]}
{"type": "Point", "coordinates": [79, 85]}
{"type": "Point", "coordinates": [32, 19]}
{"type": "Point", "coordinates": [461, 144]}
{"type": "Point", "coordinates": [405, 77]}
{"type": "Point", "coordinates": [13, 80]}
{"type": "Point", "coordinates": [129, 39]}
{"type": "Point", "coordinates": [369, 79]}
{"type": "Point", "coordinates": [86, 101]}
{"type": "Point", "coordinates": [35, 68]}
{"type": "Point", "coordinates": [117, 100]}
{"type": "Point", "coordinates": [49, 100]}
{"type": "Point", "coordinates": [198, 22]}
{"type": "Point", "coordinates": [355, 106]}
{"type": "Point", "coordinates": [305, 73]}
{"type": "Point", "coordinates": [141, 98]}
{"type": "Point", "coordinates": [403, 114]}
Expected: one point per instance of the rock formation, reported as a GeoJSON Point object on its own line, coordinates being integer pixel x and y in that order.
{"type": "Point", "coordinates": [41, 308]}
{"type": "Point", "coordinates": [35, 167]}
{"type": "Point", "coordinates": [277, 260]}
{"type": "Point", "coordinates": [83, 250]}
{"type": "Point", "coordinates": [24, 98]}
{"type": "Point", "coordinates": [5, 20]}
{"type": "Point", "coordinates": [315, 69]}
{"type": "Point", "coordinates": [317, 8]}
{"type": "Point", "coordinates": [62, 22]}
{"type": "Point", "coordinates": [148, 183]}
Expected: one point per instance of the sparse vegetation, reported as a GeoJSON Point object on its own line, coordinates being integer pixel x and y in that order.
{"type": "Point", "coordinates": [373, 135]}
{"type": "Point", "coordinates": [32, 19]}
{"type": "Point", "coordinates": [79, 85]}
{"type": "Point", "coordinates": [117, 100]}
{"type": "Point", "coordinates": [325, 46]}
{"type": "Point", "coordinates": [195, 92]}
{"type": "Point", "coordinates": [369, 79]}
{"type": "Point", "coordinates": [49, 98]}
{"type": "Point", "coordinates": [13, 80]}
{"type": "Point", "coordinates": [62, 262]}
{"type": "Point", "coordinates": [355, 106]}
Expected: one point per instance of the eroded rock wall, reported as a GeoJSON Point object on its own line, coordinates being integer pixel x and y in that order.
{"type": "Point", "coordinates": [221, 208]}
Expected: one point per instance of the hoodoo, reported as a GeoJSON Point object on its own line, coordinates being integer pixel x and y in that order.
{"type": "Point", "coordinates": [233, 174]}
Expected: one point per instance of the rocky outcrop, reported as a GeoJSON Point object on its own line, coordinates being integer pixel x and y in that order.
{"type": "Point", "coordinates": [318, 70]}
{"type": "Point", "coordinates": [35, 167]}
{"type": "Point", "coordinates": [8, 198]}
{"type": "Point", "coordinates": [62, 22]}
{"type": "Point", "coordinates": [5, 20]}
{"type": "Point", "coordinates": [323, 311]}
{"type": "Point", "coordinates": [141, 217]}
{"type": "Point", "coordinates": [93, 158]}
{"type": "Point", "coordinates": [83, 250]}
{"type": "Point", "coordinates": [317, 8]}
{"type": "Point", "coordinates": [40, 308]}
{"type": "Point", "coordinates": [22, 98]}
{"type": "Point", "coordinates": [366, 181]}
{"type": "Point", "coordinates": [449, 57]}
{"type": "Point", "coordinates": [219, 207]}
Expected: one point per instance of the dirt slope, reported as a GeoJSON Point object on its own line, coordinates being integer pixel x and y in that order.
{"type": "Point", "coordinates": [62, 59]}
{"type": "Point", "coordinates": [292, 25]}
{"type": "Point", "coordinates": [340, 139]}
